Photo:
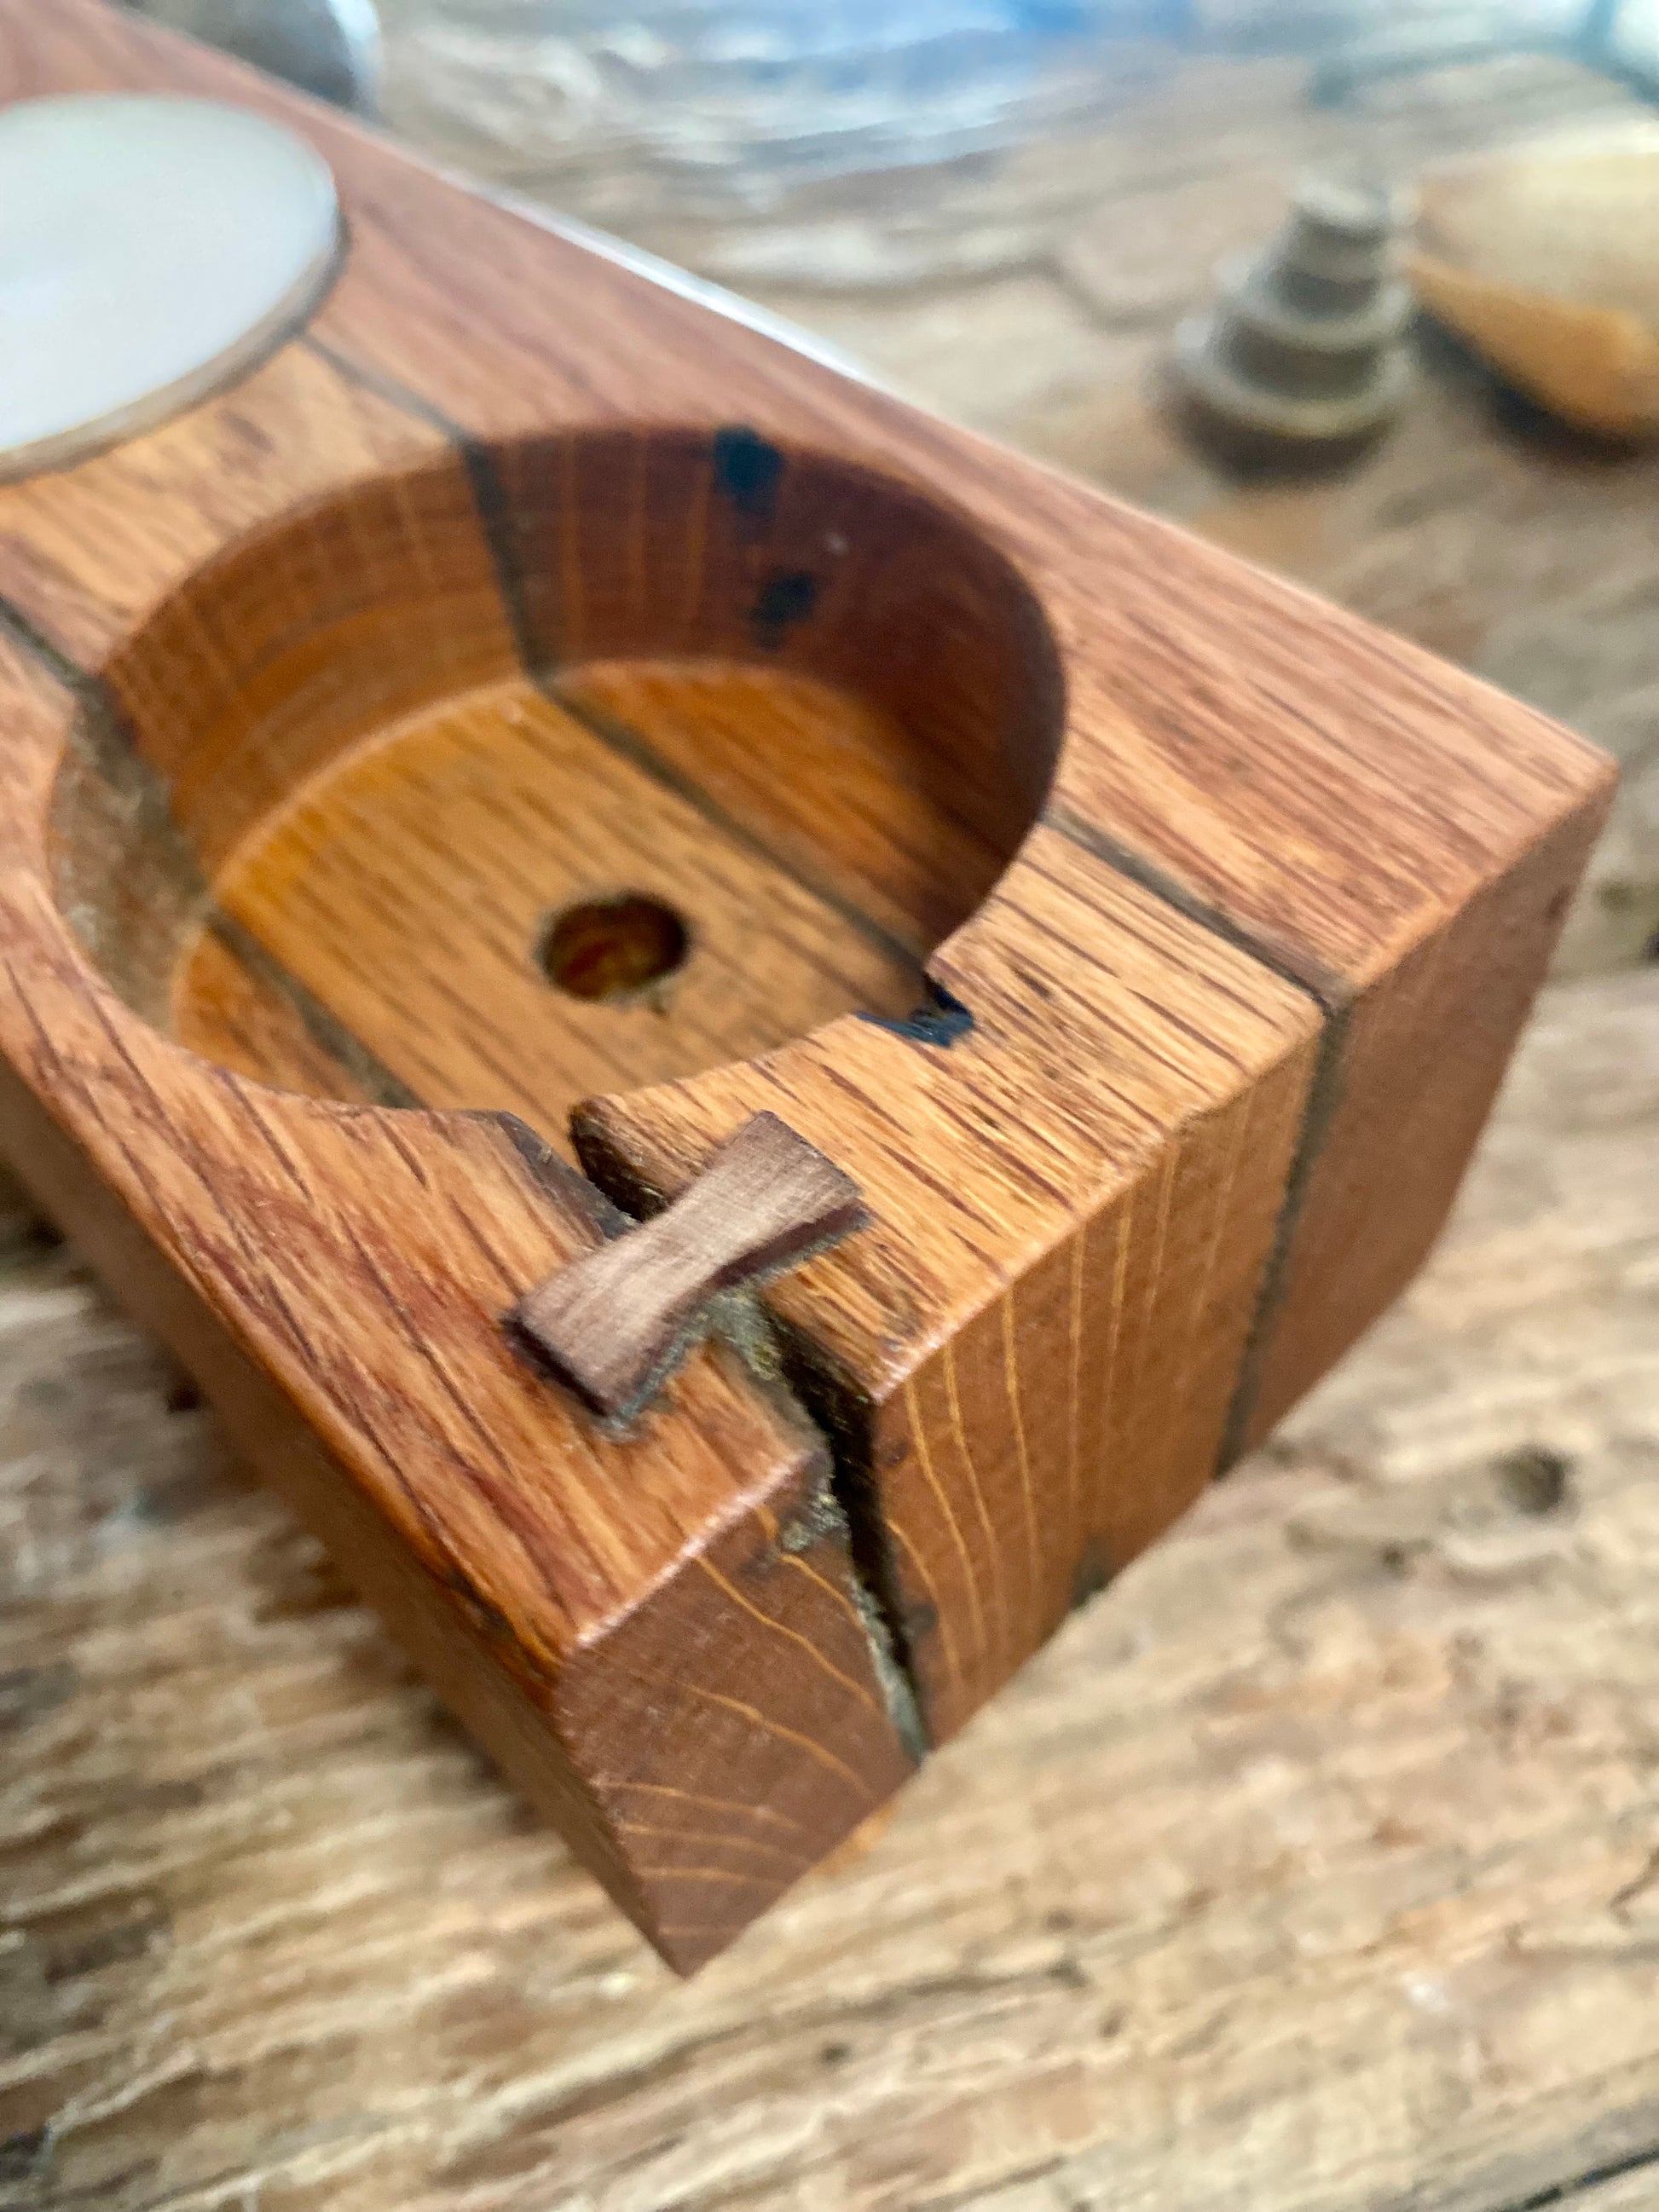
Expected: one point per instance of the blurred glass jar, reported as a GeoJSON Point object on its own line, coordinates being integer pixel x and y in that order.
{"type": "Point", "coordinates": [849, 143]}
{"type": "Point", "coordinates": [331, 47]}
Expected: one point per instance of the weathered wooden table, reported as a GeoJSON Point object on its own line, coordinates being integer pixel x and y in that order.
{"type": "Point", "coordinates": [1315, 1867]}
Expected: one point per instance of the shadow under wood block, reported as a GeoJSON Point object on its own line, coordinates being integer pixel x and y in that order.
{"type": "Point", "coordinates": [536, 718]}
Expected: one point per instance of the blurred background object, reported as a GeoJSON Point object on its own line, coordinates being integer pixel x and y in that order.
{"type": "Point", "coordinates": [330, 47]}
{"type": "Point", "coordinates": [1304, 356]}
{"type": "Point", "coordinates": [1546, 259]}
{"type": "Point", "coordinates": [1618, 36]}
{"type": "Point", "coordinates": [862, 143]}
{"type": "Point", "coordinates": [857, 142]}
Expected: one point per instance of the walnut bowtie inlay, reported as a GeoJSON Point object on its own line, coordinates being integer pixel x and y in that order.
{"type": "Point", "coordinates": [613, 1324]}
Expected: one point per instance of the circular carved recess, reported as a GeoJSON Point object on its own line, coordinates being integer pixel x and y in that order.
{"type": "Point", "coordinates": [152, 250]}
{"type": "Point", "coordinates": [799, 709]}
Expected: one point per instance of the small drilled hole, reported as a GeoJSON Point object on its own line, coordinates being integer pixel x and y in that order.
{"type": "Point", "coordinates": [1534, 1478]}
{"type": "Point", "coordinates": [614, 949]}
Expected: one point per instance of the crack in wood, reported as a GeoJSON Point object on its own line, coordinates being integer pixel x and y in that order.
{"type": "Point", "coordinates": [1324, 1095]}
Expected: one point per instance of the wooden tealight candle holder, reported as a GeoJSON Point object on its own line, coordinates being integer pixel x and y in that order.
{"type": "Point", "coordinates": [537, 723]}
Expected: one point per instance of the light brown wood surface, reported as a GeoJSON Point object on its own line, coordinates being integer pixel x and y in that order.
{"type": "Point", "coordinates": [1225, 1030]}
{"type": "Point", "coordinates": [1309, 1870]}
{"type": "Point", "coordinates": [533, 1567]}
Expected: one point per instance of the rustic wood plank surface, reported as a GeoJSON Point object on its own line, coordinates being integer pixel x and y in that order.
{"type": "Point", "coordinates": [1309, 1871]}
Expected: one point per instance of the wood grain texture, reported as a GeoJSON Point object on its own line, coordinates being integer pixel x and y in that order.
{"type": "Point", "coordinates": [87, 552]}
{"type": "Point", "coordinates": [408, 890]}
{"type": "Point", "coordinates": [337, 1276]}
{"type": "Point", "coordinates": [1309, 1871]}
{"type": "Point", "coordinates": [1023, 1439]}
{"type": "Point", "coordinates": [1222, 911]}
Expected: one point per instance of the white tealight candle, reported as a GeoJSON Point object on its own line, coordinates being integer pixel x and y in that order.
{"type": "Point", "coordinates": [151, 250]}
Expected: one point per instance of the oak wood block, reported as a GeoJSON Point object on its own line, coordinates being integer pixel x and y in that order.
{"type": "Point", "coordinates": [1355, 1767]}
{"type": "Point", "coordinates": [1143, 939]}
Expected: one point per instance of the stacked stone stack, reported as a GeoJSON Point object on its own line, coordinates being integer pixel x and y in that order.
{"type": "Point", "coordinates": [1305, 352]}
